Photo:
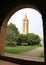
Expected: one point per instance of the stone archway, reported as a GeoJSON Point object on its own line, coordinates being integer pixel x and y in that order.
{"type": "Point", "coordinates": [4, 24]}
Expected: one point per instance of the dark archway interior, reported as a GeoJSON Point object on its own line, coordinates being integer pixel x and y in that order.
{"type": "Point", "coordinates": [7, 5]}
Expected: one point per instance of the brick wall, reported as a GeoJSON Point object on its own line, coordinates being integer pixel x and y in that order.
{"type": "Point", "coordinates": [2, 38]}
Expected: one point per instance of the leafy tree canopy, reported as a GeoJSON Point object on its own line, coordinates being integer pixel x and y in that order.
{"type": "Point", "coordinates": [12, 32]}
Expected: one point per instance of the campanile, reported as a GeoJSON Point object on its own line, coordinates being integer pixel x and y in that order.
{"type": "Point", "coordinates": [25, 25]}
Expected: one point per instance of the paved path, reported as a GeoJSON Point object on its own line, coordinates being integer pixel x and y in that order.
{"type": "Point", "coordinates": [35, 52]}
{"type": "Point", "coordinates": [30, 55]}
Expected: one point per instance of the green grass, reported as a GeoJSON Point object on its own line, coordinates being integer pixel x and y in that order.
{"type": "Point", "coordinates": [19, 49]}
{"type": "Point", "coordinates": [42, 55]}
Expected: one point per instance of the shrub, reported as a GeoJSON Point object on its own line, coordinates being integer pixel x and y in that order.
{"type": "Point", "coordinates": [13, 44]}
{"type": "Point", "coordinates": [33, 39]}
{"type": "Point", "coordinates": [29, 39]}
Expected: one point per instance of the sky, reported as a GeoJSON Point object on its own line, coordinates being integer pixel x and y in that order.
{"type": "Point", "coordinates": [35, 22]}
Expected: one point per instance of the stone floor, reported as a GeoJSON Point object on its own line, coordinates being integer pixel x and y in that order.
{"type": "Point", "coordinates": [2, 62]}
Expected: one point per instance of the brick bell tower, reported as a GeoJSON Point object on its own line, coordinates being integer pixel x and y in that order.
{"type": "Point", "coordinates": [25, 25]}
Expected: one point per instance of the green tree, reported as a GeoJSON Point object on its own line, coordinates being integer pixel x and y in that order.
{"type": "Point", "coordinates": [22, 40]}
{"type": "Point", "coordinates": [12, 33]}
{"type": "Point", "coordinates": [28, 39]}
{"type": "Point", "coordinates": [33, 39]}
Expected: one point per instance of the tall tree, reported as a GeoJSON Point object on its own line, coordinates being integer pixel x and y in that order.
{"type": "Point", "coordinates": [12, 32]}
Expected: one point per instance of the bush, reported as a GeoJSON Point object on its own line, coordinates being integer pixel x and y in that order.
{"type": "Point", "coordinates": [13, 44]}
{"type": "Point", "coordinates": [29, 39]}
{"type": "Point", "coordinates": [33, 39]}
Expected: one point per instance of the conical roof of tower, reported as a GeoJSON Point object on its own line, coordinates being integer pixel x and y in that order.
{"type": "Point", "coordinates": [25, 17]}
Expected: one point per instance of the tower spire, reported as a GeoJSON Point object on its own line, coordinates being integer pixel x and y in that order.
{"type": "Point", "coordinates": [25, 17]}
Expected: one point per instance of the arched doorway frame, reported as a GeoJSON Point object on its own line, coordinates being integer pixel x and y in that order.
{"type": "Point", "coordinates": [5, 21]}
{"type": "Point", "coordinates": [15, 9]}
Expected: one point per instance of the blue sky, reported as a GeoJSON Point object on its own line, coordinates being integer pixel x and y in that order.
{"type": "Point", "coordinates": [35, 20]}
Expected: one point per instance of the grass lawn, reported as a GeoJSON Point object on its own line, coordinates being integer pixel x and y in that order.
{"type": "Point", "coordinates": [42, 55]}
{"type": "Point", "coordinates": [19, 49]}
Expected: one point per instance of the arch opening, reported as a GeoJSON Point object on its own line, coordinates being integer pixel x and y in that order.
{"type": "Point", "coordinates": [6, 21]}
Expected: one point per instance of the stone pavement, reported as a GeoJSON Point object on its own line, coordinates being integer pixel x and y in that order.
{"type": "Point", "coordinates": [2, 62]}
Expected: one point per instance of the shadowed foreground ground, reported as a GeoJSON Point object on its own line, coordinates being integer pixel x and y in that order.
{"type": "Point", "coordinates": [2, 62]}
